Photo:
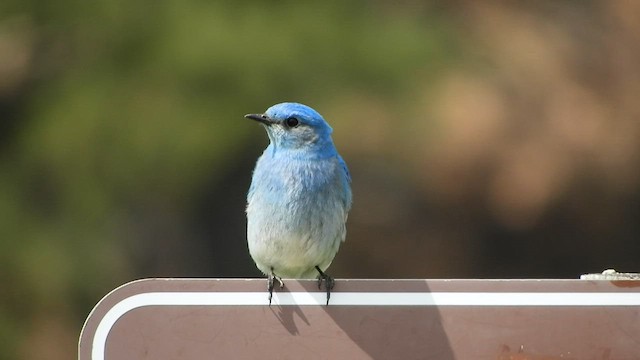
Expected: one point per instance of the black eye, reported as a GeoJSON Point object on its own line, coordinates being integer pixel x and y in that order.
{"type": "Point", "coordinates": [292, 122]}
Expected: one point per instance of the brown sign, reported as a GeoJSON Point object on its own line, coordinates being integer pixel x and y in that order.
{"type": "Point", "coordinates": [366, 319]}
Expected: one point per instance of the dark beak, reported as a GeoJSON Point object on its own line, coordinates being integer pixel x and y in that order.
{"type": "Point", "coordinates": [260, 117]}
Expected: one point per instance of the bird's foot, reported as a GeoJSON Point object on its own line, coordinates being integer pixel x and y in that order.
{"type": "Point", "coordinates": [329, 283]}
{"type": "Point", "coordinates": [270, 284]}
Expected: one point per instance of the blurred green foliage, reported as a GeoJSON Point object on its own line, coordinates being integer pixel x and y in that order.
{"type": "Point", "coordinates": [130, 108]}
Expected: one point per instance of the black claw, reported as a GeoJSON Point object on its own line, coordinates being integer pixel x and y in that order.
{"type": "Point", "coordinates": [270, 284]}
{"type": "Point", "coordinates": [329, 283]}
{"type": "Point", "coordinates": [270, 287]}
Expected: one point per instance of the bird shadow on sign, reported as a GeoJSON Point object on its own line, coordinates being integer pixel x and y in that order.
{"type": "Point", "coordinates": [392, 332]}
{"type": "Point", "coordinates": [286, 314]}
{"type": "Point", "coordinates": [355, 331]}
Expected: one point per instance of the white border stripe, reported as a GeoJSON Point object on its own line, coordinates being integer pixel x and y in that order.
{"type": "Point", "coordinates": [352, 299]}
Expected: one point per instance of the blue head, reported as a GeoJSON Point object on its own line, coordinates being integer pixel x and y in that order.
{"type": "Point", "coordinates": [295, 126]}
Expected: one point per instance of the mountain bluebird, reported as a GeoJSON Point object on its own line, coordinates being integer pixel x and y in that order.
{"type": "Point", "coordinates": [299, 197]}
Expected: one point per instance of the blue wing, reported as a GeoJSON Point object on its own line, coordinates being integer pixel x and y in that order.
{"type": "Point", "coordinates": [344, 167]}
{"type": "Point", "coordinates": [347, 185]}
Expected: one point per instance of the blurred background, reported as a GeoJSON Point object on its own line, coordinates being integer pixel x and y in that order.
{"type": "Point", "coordinates": [485, 140]}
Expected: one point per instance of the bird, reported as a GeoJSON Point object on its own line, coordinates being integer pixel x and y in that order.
{"type": "Point", "coordinates": [299, 197]}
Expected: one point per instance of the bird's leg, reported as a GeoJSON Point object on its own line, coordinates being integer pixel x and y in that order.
{"type": "Point", "coordinates": [328, 282]}
{"type": "Point", "coordinates": [270, 283]}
